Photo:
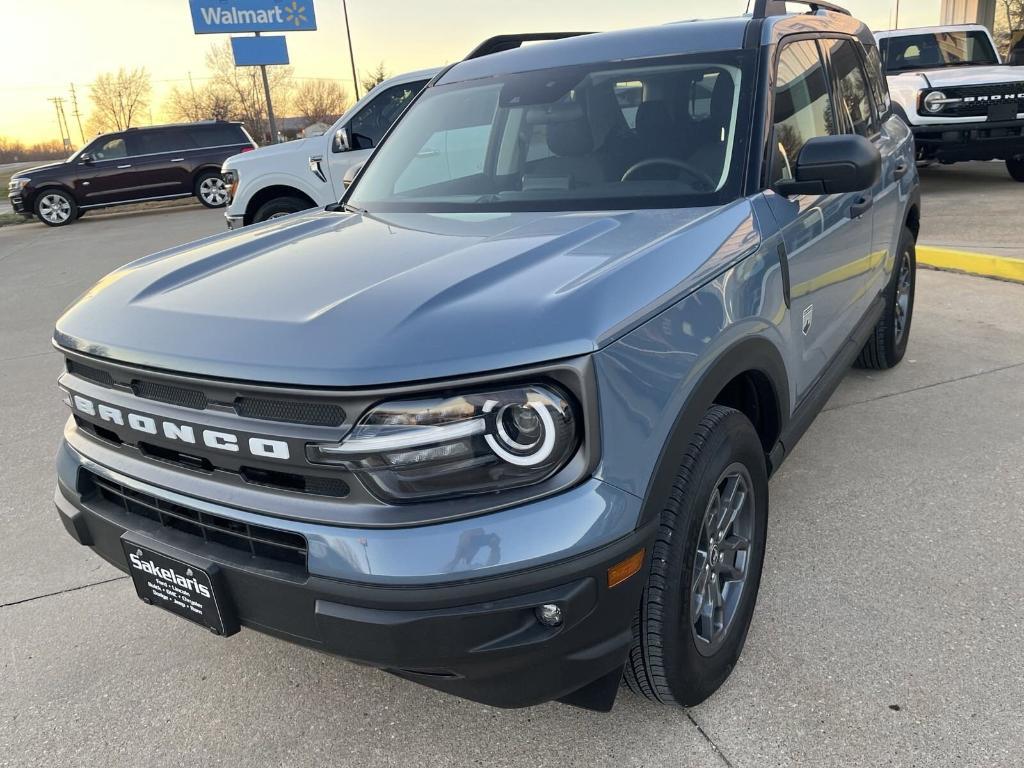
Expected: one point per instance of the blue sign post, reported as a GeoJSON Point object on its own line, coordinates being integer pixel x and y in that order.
{"type": "Point", "coordinates": [259, 51]}
{"type": "Point", "coordinates": [225, 16]}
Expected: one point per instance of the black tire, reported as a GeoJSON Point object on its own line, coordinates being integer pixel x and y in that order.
{"type": "Point", "coordinates": [665, 663]}
{"type": "Point", "coordinates": [1015, 165]}
{"type": "Point", "coordinates": [210, 189]}
{"type": "Point", "coordinates": [280, 206]}
{"type": "Point", "coordinates": [55, 207]}
{"type": "Point", "coordinates": [888, 343]}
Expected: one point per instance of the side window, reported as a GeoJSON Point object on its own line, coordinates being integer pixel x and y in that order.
{"type": "Point", "coordinates": [853, 96]}
{"type": "Point", "coordinates": [217, 135]}
{"type": "Point", "coordinates": [110, 149]}
{"type": "Point", "coordinates": [373, 120]}
{"type": "Point", "coordinates": [803, 106]}
{"type": "Point", "coordinates": [156, 142]}
{"type": "Point", "coordinates": [879, 88]}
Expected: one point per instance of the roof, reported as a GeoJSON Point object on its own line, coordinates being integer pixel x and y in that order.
{"type": "Point", "coordinates": [694, 36]}
{"type": "Point", "coordinates": [620, 45]}
{"type": "Point", "coordinates": [926, 30]}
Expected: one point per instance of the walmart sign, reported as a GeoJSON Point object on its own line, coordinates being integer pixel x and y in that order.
{"type": "Point", "coordinates": [220, 16]}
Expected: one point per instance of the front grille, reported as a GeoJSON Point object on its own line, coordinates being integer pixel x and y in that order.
{"type": "Point", "coordinates": [165, 393]}
{"type": "Point", "coordinates": [976, 108]}
{"type": "Point", "coordinates": [292, 411]}
{"type": "Point", "coordinates": [256, 540]}
{"type": "Point", "coordinates": [94, 375]}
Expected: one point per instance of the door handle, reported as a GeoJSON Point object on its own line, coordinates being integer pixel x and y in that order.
{"type": "Point", "coordinates": [900, 170]}
{"type": "Point", "coordinates": [177, 159]}
{"type": "Point", "coordinates": [862, 206]}
{"type": "Point", "coordinates": [125, 166]}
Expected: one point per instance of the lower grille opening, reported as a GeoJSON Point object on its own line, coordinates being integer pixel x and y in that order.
{"type": "Point", "coordinates": [256, 540]}
{"type": "Point", "coordinates": [320, 486]}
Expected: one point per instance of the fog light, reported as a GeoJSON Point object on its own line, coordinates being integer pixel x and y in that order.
{"type": "Point", "coordinates": [549, 614]}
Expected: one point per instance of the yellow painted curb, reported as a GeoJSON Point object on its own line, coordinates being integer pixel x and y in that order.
{"type": "Point", "coordinates": [983, 264]}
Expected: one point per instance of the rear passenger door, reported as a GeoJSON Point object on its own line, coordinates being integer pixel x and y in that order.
{"type": "Point", "coordinates": [159, 162]}
{"type": "Point", "coordinates": [828, 238]}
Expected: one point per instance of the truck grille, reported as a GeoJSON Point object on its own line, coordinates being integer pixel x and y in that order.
{"type": "Point", "coordinates": [256, 540]}
{"type": "Point", "coordinates": [978, 98]}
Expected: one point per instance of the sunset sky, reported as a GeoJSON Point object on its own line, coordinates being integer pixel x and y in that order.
{"type": "Point", "coordinates": [48, 45]}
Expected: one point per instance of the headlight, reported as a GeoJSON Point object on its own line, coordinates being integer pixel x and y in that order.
{"type": "Point", "coordinates": [473, 443]}
{"type": "Point", "coordinates": [17, 184]}
{"type": "Point", "coordinates": [230, 177]}
{"type": "Point", "coordinates": [934, 101]}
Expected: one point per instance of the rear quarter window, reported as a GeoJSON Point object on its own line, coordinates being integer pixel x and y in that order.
{"type": "Point", "coordinates": [220, 135]}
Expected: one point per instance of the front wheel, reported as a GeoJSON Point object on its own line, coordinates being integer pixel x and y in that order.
{"type": "Point", "coordinates": [278, 207]}
{"type": "Point", "coordinates": [211, 190]}
{"type": "Point", "coordinates": [888, 342]}
{"type": "Point", "coordinates": [1015, 165]}
{"type": "Point", "coordinates": [706, 567]}
{"type": "Point", "coordinates": [56, 208]}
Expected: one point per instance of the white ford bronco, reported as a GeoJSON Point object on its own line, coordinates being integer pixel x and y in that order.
{"type": "Point", "coordinates": [961, 101]}
{"type": "Point", "coordinates": [308, 173]}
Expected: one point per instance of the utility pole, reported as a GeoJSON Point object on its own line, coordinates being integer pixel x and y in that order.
{"type": "Point", "coordinates": [76, 113]}
{"type": "Point", "coordinates": [897, 26]}
{"type": "Point", "coordinates": [270, 107]}
{"type": "Point", "coordinates": [351, 53]}
{"type": "Point", "coordinates": [64, 138]}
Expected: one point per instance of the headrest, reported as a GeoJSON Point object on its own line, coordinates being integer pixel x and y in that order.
{"type": "Point", "coordinates": [570, 139]}
{"type": "Point", "coordinates": [653, 119]}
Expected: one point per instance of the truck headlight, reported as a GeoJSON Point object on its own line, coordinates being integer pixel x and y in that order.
{"type": "Point", "coordinates": [479, 442]}
{"type": "Point", "coordinates": [934, 101]}
{"type": "Point", "coordinates": [230, 177]}
{"type": "Point", "coordinates": [17, 184]}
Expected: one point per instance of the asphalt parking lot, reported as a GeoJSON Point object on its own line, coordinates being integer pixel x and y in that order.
{"type": "Point", "coordinates": [888, 630]}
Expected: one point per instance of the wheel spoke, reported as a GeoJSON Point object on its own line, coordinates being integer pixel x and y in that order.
{"type": "Point", "coordinates": [735, 543]}
{"type": "Point", "coordinates": [733, 499]}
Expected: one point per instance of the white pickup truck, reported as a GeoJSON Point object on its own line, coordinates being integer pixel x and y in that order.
{"type": "Point", "coordinates": [284, 178]}
{"type": "Point", "coordinates": [961, 101]}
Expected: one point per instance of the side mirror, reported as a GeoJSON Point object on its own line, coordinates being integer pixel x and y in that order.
{"type": "Point", "coordinates": [342, 141]}
{"type": "Point", "coordinates": [351, 173]}
{"type": "Point", "coordinates": [830, 165]}
{"type": "Point", "coordinates": [86, 158]}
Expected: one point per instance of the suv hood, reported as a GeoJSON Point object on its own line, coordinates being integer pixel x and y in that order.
{"type": "Point", "coordinates": [286, 148]}
{"type": "Point", "coordinates": [347, 300]}
{"type": "Point", "coordinates": [36, 170]}
{"type": "Point", "coordinates": [978, 75]}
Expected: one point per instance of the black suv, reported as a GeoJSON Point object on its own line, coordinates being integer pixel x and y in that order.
{"type": "Point", "coordinates": [132, 166]}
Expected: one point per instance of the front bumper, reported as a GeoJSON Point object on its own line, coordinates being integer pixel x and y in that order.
{"type": "Point", "coordinates": [477, 637]}
{"type": "Point", "coordinates": [19, 204]}
{"type": "Point", "coordinates": [234, 221]}
{"type": "Point", "coordinates": [983, 140]}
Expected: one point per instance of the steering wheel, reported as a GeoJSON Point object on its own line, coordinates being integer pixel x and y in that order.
{"type": "Point", "coordinates": [704, 182]}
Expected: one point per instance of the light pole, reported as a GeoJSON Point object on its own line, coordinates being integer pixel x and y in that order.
{"type": "Point", "coordinates": [351, 54]}
{"type": "Point", "coordinates": [897, 25]}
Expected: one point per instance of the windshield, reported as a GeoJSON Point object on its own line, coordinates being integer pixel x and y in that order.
{"type": "Point", "coordinates": [933, 50]}
{"type": "Point", "coordinates": [650, 133]}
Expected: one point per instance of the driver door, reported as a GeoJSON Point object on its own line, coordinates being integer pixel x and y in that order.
{"type": "Point", "coordinates": [828, 238]}
{"type": "Point", "coordinates": [102, 178]}
{"type": "Point", "coordinates": [366, 128]}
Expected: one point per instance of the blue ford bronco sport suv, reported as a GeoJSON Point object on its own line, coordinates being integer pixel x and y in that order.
{"type": "Point", "coordinates": [502, 420]}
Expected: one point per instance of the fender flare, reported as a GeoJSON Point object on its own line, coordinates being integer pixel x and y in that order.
{"type": "Point", "coordinates": [749, 354]}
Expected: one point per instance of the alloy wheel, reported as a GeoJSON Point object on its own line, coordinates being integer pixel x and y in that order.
{"type": "Point", "coordinates": [55, 209]}
{"type": "Point", "coordinates": [214, 191]}
{"type": "Point", "coordinates": [903, 283]}
{"type": "Point", "coordinates": [721, 565]}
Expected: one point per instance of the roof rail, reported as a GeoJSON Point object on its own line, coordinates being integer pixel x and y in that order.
{"type": "Point", "coordinates": [765, 8]}
{"type": "Point", "coordinates": [500, 43]}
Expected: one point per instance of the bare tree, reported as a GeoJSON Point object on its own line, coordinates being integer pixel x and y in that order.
{"type": "Point", "coordinates": [1010, 21]}
{"type": "Point", "coordinates": [118, 99]}
{"type": "Point", "coordinates": [207, 102]}
{"type": "Point", "coordinates": [374, 77]}
{"type": "Point", "coordinates": [320, 101]}
{"type": "Point", "coordinates": [242, 87]}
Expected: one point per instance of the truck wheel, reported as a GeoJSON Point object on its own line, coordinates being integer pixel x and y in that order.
{"type": "Point", "coordinates": [888, 342]}
{"type": "Point", "coordinates": [1015, 165]}
{"type": "Point", "coordinates": [56, 208]}
{"type": "Point", "coordinates": [280, 206]}
{"type": "Point", "coordinates": [211, 190]}
{"type": "Point", "coordinates": [706, 566]}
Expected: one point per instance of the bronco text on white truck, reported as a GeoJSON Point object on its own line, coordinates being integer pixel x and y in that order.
{"type": "Point", "coordinates": [285, 178]}
{"type": "Point", "coordinates": [950, 86]}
